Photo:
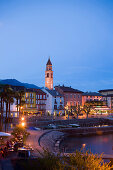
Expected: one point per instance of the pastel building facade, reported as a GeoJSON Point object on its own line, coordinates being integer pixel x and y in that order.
{"type": "Point", "coordinates": [72, 97]}
{"type": "Point", "coordinates": [91, 96]}
{"type": "Point", "coordinates": [54, 103]}
{"type": "Point", "coordinates": [108, 97]}
{"type": "Point", "coordinates": [35, 101]}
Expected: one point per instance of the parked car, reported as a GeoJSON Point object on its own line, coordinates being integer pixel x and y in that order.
{"type": "Point", "coordinates": [52, 126]}
{"type": "Point", "coordinates": [74, 125]}
{"type": "Point", "coordinates": [62, 126]}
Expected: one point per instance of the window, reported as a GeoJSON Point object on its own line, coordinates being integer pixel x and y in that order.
{"type": "Point", "coordinates": [78, 96]}
{"type": "Point", "coordinates": [40, 96]}
{"type": "Point", "coordinates": [66, 96]}
{"type": "Point", "coordinates": [47, 74]}
{"type": "Point", "coordinates": [55, 100]}
{"type": "Point", "coordinates": [71, 103]}
{"type": "Point", "coordinates": [71, 95]}
{"type": "Point", "coordinates": [55, 107]}
{"type": "Point", "coordinates": [27, 95]}
{"type": "Point", "coordinates": [74, 95]}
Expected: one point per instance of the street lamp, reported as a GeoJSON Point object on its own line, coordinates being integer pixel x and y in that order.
{"type": "Point", "coordinates": [22, 118]}
{"type": "Point", "coordinates": [23, 124]}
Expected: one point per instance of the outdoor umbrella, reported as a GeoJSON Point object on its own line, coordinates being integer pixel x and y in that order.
{"type": "Point", "coordinates": [5, 134]}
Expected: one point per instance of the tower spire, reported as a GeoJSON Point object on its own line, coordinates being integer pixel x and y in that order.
{"type": "Point", "coordinates": [49, 75]}
{"type": "Point", "coordinates": [49, 61]}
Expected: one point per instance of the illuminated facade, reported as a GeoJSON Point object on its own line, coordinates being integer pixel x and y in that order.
{"type": "Point", "coordinates": [49, 75]}
{"type": "Point", "coordinates": [108, 96]}
{"type": "Point", "coordinates": [72, 97]}
{"type": "Point", "coordinates": [54, 103]}
{"type": "Point", "coordinates": [91, 96]}
{"type": "Point", "coordinates": [35, 101]}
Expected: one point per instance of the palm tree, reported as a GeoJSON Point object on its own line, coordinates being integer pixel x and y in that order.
{"type": "Point", "coordinates": [8, 99]}
{"type": "Point", "coordinates": [1, 105]}
{"type": "Point", "coordinates": [19, 98]}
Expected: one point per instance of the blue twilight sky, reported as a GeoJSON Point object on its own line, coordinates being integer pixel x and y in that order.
{"type": "Point", "coordinates": [76, 34]}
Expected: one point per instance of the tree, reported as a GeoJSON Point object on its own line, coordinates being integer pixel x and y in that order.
{"type": "Point", "coordinates": [89, 105]}
{"type": "Point", "coordinates": [87, 108]}
{"type": "Point", "coordinates": [8, 99]}
{"type": "Point", "coordinates": [19, 94]}
{"type": "Point", "coordinates": [76, 109]}
{"type": "Point", "coordinates": [1, 105]}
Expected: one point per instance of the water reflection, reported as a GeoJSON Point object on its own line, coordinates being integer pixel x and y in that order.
{"type": "Point", "coordinates": [96, 144]}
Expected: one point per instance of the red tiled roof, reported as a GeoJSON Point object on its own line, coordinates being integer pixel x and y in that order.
{"type": "Point", "coordinates": [69, 89]}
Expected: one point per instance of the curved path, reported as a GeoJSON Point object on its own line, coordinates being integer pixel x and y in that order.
{"type": "Point", "coordinates": [48, 139]}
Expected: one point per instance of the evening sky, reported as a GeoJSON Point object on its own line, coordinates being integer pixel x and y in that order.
{"type": "Point", "coordinates": [76, 34]}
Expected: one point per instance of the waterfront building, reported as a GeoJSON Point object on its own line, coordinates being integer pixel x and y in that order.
{"type": "Point", "coordinates": [54, 103]}
{"type": "Point", "coordinates": [100, 107]}
{"type": "Point", "coordinates": [91, 96]}
{"type": "Point", "coordinates": [35, 102]}
{"type": "Point", "coordinates": [72, 97]}
{"type": "Point", "coordinates": [108, 96]}
{"type": "Point", "coordinates": [49, 75]}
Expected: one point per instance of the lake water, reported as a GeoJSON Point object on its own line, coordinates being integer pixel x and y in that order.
{"type": "Point", "coordinates": [96, 144]}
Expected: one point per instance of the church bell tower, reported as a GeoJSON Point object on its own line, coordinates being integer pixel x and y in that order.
{"type": "Point", "coordinates": [49, 75]}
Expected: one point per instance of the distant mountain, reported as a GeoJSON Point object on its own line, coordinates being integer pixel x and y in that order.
{"type": "Point", "coordinates": [15, 82]}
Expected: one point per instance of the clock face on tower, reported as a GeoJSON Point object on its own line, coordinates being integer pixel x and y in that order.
{"type": "Point", "coordinates": [49, 75]}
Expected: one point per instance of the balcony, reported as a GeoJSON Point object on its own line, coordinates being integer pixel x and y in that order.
{"type": "Point", "coordinates": [31, 102]}
{"type": "Point", "coordinates": [41, 103]}
{"type": "Point", "coordinates": [31, 97]}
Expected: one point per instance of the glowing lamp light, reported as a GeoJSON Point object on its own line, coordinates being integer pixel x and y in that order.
{"type": "Point", "coordinates": [23, 124]}
{"type": "Point", "coordinates": [83, 145]}
{"type": "Point", "coordinates": [22, 118]}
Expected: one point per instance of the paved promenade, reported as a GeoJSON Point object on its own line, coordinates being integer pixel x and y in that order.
{"type": "Point", "coordinates": [32, 141]}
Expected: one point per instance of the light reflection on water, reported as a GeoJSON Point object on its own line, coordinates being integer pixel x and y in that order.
{"type": "Point", "coordinates": [96, 144]}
